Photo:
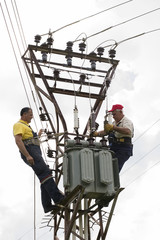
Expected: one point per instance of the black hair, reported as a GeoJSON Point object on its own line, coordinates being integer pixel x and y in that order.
{"type": "Point", "coordinates": [24, 110]}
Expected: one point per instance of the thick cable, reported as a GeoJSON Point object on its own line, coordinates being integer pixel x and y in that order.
{"type": "Point", "coordinates": [118, 24]}
{"type": "Point", "coordinates": [93, 15]}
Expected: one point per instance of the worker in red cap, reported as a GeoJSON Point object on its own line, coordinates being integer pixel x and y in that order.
{"type": "Point", "coordinates": [120, 134]}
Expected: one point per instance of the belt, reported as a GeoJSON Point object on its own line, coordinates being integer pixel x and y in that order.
{"type": "Point", "coordinates": [123, 140]}
{"type": "Point", "coordinates": [34, 141]}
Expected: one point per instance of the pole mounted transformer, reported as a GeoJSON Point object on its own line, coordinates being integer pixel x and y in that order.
{"type": "Point", "coordinates": [88, 169]}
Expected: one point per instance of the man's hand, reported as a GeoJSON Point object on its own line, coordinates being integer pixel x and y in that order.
{"type": "Point", "coordinates": [40, 132]}
{"type": "Point", "coordinates": [95, 134]}
{"type": "Point", "coordinates": [30, 160]}
{"type": "Point", "coordinates": [108, 127]}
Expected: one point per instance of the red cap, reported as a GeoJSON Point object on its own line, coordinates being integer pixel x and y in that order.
{"type": "Point", "coordinates": [115, 107]}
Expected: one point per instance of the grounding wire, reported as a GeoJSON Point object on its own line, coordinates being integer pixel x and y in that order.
{"type": "Point", "coordinates": [87, 17]}
{"type": "Point", "coordinates": [121, 23]}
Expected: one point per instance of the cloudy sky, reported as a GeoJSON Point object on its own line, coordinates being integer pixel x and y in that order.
{"type": "Point", "coordinates": [135, 85]}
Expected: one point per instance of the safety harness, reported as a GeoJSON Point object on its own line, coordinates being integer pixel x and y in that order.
{"type": "Point", "coordinates": [34, 140]}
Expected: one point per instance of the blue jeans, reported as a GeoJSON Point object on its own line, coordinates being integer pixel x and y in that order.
{"type": "Point", "coordinates": [123, 152]}
{"type": "Point", "coordinates": [49, 190]}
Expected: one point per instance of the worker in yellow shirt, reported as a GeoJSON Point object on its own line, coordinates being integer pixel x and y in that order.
{"type": "Point", "coordinates": [29, 147]}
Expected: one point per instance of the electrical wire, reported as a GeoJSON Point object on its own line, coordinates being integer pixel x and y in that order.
{"type": "Point", "coordinates": [139, 35]}
{"type": "Point", "coordinates": [141, 135]}
{"type": "Point", "coordinates": [17, 59]}
{"type": "Point", "coordinates": [23, 63]}
{"type": "Point", "coordinates": [126, 21]}
{"type": "Point", "coordinates": [24, 88]}
{"type": "Point", "coordinates": [158, 120]}
{"type": "Point", "coordinates": [19, 26]}
{"type": "Point", "coordinates": [143, 172]}
{"type": "Point", "coordinates": [93, 15]}
{"type": "Point", "coordinates": [75, 104]}
{"type": "Point", "coordinates": [15, 55]}
{"type": "Point", "coordinates": [130, 38]}
{"type": "Point", "coordinates": [141, 158]}
{"type": "Point", "coordinates": [147, 152]}
{"type": "Point", "coordinates": [106, 41]}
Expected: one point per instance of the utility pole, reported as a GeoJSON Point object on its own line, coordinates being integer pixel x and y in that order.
{"type": "Point", "coordinates": [84, 210]}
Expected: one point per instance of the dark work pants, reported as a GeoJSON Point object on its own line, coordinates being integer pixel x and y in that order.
{"type": "Point", "coordinates": [49, 190]}
{"type": "Point", "coordinates": [123, 151]}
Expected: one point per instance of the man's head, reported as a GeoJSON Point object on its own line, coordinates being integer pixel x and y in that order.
{"type": "Point", "coordinates": [117, 112]}
{"type": "Point", "coordinates": [26, 114]}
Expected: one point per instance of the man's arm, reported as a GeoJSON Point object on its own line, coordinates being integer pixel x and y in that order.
{"type": "Point", "coordinates": [111, 127]}
{"type": "Point", "coordinates": [23, 150]}
{"type": "Point", "coordinates": [122, 130]}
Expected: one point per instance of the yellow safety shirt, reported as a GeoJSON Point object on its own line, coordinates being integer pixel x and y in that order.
{"type": "Point", "coordinates": [23, 128]}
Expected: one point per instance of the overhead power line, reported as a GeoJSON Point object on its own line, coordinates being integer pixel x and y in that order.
{"type": "Point", "coordinates": [138, 35]}
{"type": "Point", "coordinates": [118, 24]}
{"type": "Point", "coordinates": [130, 38]}
{"type": "Point", "coordinates": [144, 172]}
{"type": "Point", "coordinates": [93, 15]}
{"type": "Point", "coordinates": [15, 54]}
{"type": "Point", "coordinates": [147, 152]}
{"type": "Point", "coordinates": [146, 130]}
{"type": "Point", "coordinates": [19, 24]}
{"type": "Point", "coordinates": [142, 158]}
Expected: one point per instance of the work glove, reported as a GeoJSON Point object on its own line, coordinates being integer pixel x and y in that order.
{"type": "Point", "coordinates": [95, 134]}
{"type": "Point", "coordinates": [108, 127]}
